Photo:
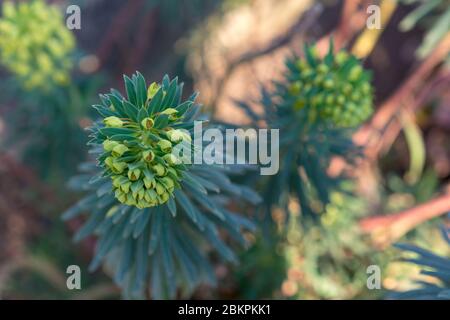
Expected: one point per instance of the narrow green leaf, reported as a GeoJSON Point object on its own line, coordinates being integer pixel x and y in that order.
{"type": "Point", "coordinates": [161, 121]}
{"type": "Point", "coordinates": [141, 89]}
{"type": "Point", "coordinates": [113, 131]}
{"type": "Point", "coordinates": [170, 94]}
{"type": "Point", "coordinates": [131, 90]}
{"type": "Point", "coordinates": [172, 206]}
{"type": "Point", "coordinates": [130, 110]}
{"type": "Point", "coordinates": [156, 103]}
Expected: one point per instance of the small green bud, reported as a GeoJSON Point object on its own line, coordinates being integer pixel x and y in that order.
{"type": "Point", "coordinates": [318, 80]}
{"type": "Point", "coordinates": [295, 88]}
{"type": "Point", "coordinates": [133, 175]}
{"type": "Point", "coordinates": [148, 156]}
{"type": "Point", "coordinates": [126, 187]}
{"type": "Point", "coordinates": [308, 72]}
{"type": "Point", "coordinates": [322, 68]}
{"type": "Point", "coordinates": [164, 197]}
{"type": "Point", "coordinates": [301, 65]}
{"type": "Point", "coordinates": [113, 122]}
{"type": "Point", "coordinates": [341, 57]}
{"type": "Point", "coordinates": [152, 90]}
{"type": "Point", "coordinates": [299, 104]}
{"type": "Point", "coordinates": [186, 136]}
{"type": "Point", "coordinates": [307, 88]}
{"type": "Point", "coordinates": [328, 83]}
{"type": "Point", "coordinates": [119, 150]}
{"type": "Point", "coordinates": [355, 73]}
{"type": "Point", "coordinates": [329, 100]}
{"type": "Point", "coordinates": [159, 169]}
{"type": "Point", "coordinates": [109, 161]}
{"type": "Point", "coordinates": [150, 195]}
{"type": "Point", "coordinates": [159, 188]}
{"type": "Point", "coordinates": [149, 183]}
{"type": "Point", "coordinates": [347, 89]}
{"type": "Point", "coordinates": [365, 88]}
{"type": "Point", "coordinates": [173, 172]}
{"type": "Point", "coordinates": [119, 166]}
{"type": "Point", "coordinates": [356, 96]}
{"type": "Point", "coordinates": [340, 99]}
{"type": "Point", "coordinates": [130, 201]}
{"type": "Point", "coordinates": [351, 107]}
{"type": "Point", "coordinates": [168, 183]}
{"type": "Point", "coordinates": [175, 135]}
{"type": "Point", "coordinates": [120, 196]}
{"type": "Point", "coordinates": [165, 145]}
{"type": "Point", "coordinates": [314, 101]}
{"type": "Point", "coordinates": [108, 145]}
{"type": "Point", "coordinates": [171, 112]}
{"type": "Point", "coordinates": [141, 204]}
{"type": "Point", "coordinates": [147, 123]}
{"type": "Point", "coordinates": [171, 159]}
{"type": "Point", "coordinates": [116, 181]}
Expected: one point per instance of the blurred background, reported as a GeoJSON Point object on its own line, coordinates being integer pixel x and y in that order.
{"type": "Point", "coordinates": [226, 49]}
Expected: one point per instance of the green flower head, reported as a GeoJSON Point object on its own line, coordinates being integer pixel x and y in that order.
{"type": "Point", "coordinates": [335, 89]}
{"type": "Point", "coordinates": [137, 135]}
{"type": "Point", "coordinates": [35, 44]}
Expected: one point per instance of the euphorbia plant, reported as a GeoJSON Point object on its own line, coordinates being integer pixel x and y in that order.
{"type": "Point", "coordinates": [156, 217]}
{"type": "Point", "coordinates": [316, 107]}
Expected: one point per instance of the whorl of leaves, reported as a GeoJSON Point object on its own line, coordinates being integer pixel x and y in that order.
{"type": "Point", "coordinates": [163, 248]}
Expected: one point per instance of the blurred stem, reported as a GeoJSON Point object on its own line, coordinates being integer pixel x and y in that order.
{"type": "Point", "coordinates": [351, 21]}
{"type": "Point", "coordinates": [35, 264]}
{"type": "Point", "coordinates": [416, 146]}
{"type": "Point", "coordinates": [373, 136]}
{"type": "Point", "coordinates": [369, 135]}
{"type": "Point", "coordinates": [369, 38]}
{"type": "Point", "coordinates": [386, 229]}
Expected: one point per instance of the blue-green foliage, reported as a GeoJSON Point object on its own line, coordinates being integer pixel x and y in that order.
{"type": "Point", "coordinates": [432, 265]}
{"type": "Point", "coordinates": [161, 251]}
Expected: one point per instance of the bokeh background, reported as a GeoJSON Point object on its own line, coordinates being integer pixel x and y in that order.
{"type": "Point", "coordinates": [227, 49]}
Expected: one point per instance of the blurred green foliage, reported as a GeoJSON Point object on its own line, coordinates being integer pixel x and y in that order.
{"type": "Point", "coordinates": [329, 260]}
{"type": "Point", "coordinates": [434, 15]}
{"type": "Point", "coordinates": [435, 267]}
{"type": "Point", "coordinates": [35, 44]}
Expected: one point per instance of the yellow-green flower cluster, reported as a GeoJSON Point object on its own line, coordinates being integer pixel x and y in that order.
{"type": "Point", "coordinates": [35, 44]}
{"type": "Point", "coordinates": [143, 168]}
{"type": "Point", "coordinates": [335, 88]}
